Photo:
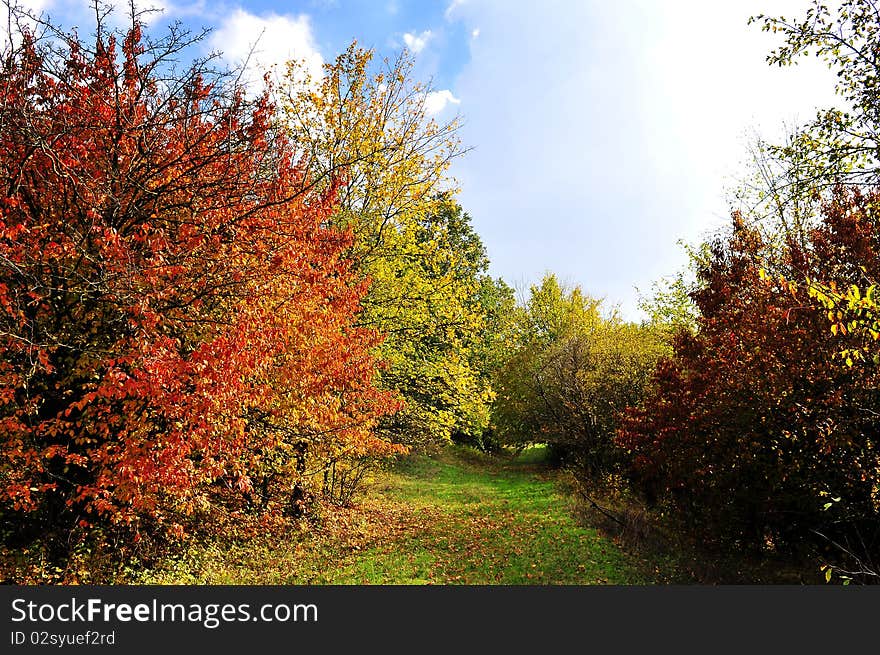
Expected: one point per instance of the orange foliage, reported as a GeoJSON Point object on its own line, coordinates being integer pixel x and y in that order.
{"type": "Point", "coordinates": [175, 314]}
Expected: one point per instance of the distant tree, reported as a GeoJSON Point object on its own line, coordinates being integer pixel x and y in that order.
{"type": "Point", "coordinates": [669, 307]}
{"type": "Point", "coordinates": [570, 374]}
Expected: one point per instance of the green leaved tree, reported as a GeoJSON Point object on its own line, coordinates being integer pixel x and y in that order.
{"type": "Point", "coordinates": [426, 265]}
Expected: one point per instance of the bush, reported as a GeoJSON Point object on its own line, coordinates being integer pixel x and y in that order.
{"type": "Point", "coordinates": [751, 426]}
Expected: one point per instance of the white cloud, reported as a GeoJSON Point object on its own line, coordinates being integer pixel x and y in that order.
{"type": "Point", "coordinates": [265, 41]}
{"type": "Point", "coordinates": [452, 7]}
{"type": "Point", "coordinates": [475, 33]}
{"type": "Point", "coordinates": [34, 7]}
{"type": "Point", "coordinates": [436, 101]}
{"type": "Point", "coordinates": [417, 42]}
{"type": "Point", "coordinates": [603, 132]}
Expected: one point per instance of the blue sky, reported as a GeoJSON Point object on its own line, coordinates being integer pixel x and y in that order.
{"type": "Point", "coordinates": [601, 132]}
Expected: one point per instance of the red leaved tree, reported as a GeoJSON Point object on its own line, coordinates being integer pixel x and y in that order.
{"type": "Point", "coordinates": [176, 318]}
{"type": "Point", "coordinates": [752, 428]}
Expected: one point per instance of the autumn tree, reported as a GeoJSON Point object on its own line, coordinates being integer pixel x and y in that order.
{"type": "Point", "coordinates": [841, 144]}
{"type": "Point", "coordinates": [750, 429]}
{"type": "Point", "coordinates": [490, 350]}
{"type": "Point", "coordinates": [668, 307]}
{"type": "Point", "coordinates": [802, 182]}
{"type": "Point", "coordinates": [425, 262]}
{"type": "Point", "coordinates": [177, 319]}
{"type": "Point", "coordinates": [569, 374]}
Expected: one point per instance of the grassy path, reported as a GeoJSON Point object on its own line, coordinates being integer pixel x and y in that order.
{"type": "Point", "coordinates": [454, 518]}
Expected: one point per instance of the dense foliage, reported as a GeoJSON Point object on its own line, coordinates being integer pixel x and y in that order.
{"type": "Point", "coordinates": [760, 431]}
{"type": "Point", "coordinates": [426, 264]}
{"type": "Point", "coordinates": [215, 306]}
{"type": "Point", "coordinates": [752, 427]}
{"type": "Point", "coordinates": [176, 318]}
{"type": "Point", "coordinates": [570, 373]}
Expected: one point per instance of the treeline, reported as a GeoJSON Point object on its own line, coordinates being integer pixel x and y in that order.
{"type": "Point", "coordinates": [745, 411]}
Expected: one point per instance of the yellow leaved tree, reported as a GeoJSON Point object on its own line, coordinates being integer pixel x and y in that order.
{"type": "Point", "coordinates": [426, 265]}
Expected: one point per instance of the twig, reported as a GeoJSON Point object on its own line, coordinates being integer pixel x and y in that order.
{"type": "Point", "coordinates": [604, 511]}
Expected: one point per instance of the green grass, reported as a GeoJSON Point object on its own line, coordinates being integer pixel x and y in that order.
{"type": "Point", "coordinates": [457, 517]}
{"type": "Point", "coordinates": [487, 523]}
